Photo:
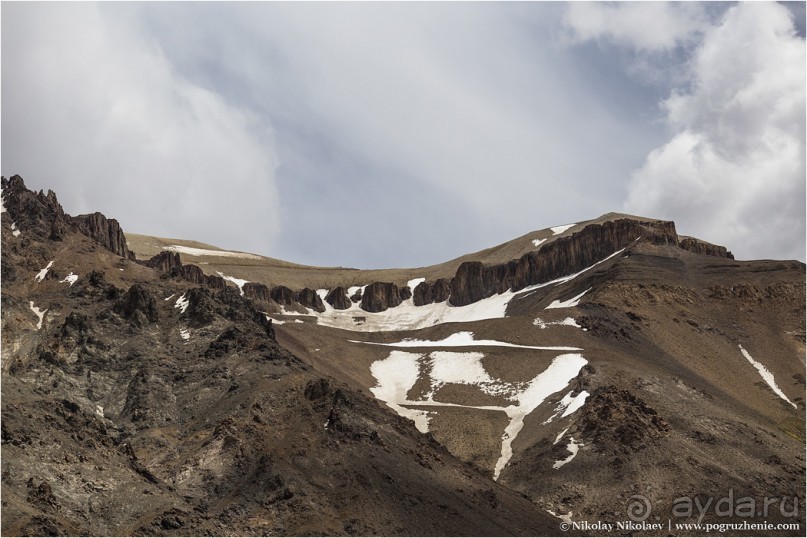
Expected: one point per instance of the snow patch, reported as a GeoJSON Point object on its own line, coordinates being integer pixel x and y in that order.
{"type": "Point", "coordinates": [573, 448]}
{"type": "Point", "coordinates": [99, 410]}
{"type": "Point", "coordinates": [70, 279]}
{"type": "Point", "coordinates": [570, 322]}
{"type": "Point", "coordinates": [563, 517]}
{"type": "Point", "coordinates": [395, 375]}
{"type": "Point", "coordinates": [40, 276]}
{"type": "Point", "coordinates": [463, 339]}
{"type": "Point", "coordinates": [537, 242]}
{"type": "Point", "coordinates": [191, 251]}
{"type": "Point", "coordinates": [39, 313]}
{"type": "Point", "coordinates": [237, 281]}
{"type": "Point", "coordinates": [14, 231]}
{"type": "Point", "coordinates": [185, 334]}
{"type": "Point", "coordinates": [560, 436]}
{"type": "Point", "coordinates": [574, 301]}
{"type": "Point", "coordinates": [169, 297]}
{"type": "Point", "coordinates": [557, 230]}
{"type": "Point", "coordinates": [568, 405]}
{"type": "Point", "coordinates": [414, 283]}
{"type": "Point", "coordinates": [182, 303]}
{"type": "Point", "coordinates": [767, 376]}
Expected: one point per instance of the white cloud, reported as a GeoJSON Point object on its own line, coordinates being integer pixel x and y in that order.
{"type": "Point", "coordinates": [646, 26]}
{"type": "Point", "coordinates": [734, 170]}
{"type": "Point", "coordinates": [92, 105]}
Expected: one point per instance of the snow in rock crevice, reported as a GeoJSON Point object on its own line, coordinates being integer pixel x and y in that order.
{"type": "Point", "coordinates": [39, 313]}
{"type": "Point", "coordinates": [572, 447]}
{"type": "Point", "coordinates": [237, 281]}
{"type": "Point", "coordinates": [182, 303]}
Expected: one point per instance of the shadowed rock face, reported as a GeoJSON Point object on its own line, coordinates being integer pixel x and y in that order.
{"type": "Point", "coordinates": [379, 296]}
{"type": "Point", "coordinates": [34, 213]}
{"type": "Point", "coordinates": [282, 295]}
{"type": "Point", "coordinates": [338, 299]}
{"type": "Point", "coordinates": [257, 291]}
{"type": "Point", "coordinates": [194, 274]}
{"type": "Point", "coordinates": [138, 305]}
{"type": "Point", "coordinates": [106, 231]}
{"type": "Point", "coordinates": [702, 247]}
{"type": "Point", "coordinates": [165, 261]}
{"type": "Point", "coordinates": [309, 298]}
{"type": "Point", "coordinates": [431, 292]}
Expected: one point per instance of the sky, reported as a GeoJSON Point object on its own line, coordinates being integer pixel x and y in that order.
{"type": "Point", "coordinates": [383, 134]}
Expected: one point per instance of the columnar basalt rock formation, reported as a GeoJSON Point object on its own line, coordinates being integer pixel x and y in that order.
{"type": "Point", "coordinates": [380, 296]}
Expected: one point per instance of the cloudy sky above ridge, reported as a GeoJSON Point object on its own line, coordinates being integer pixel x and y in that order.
{"type": "Point", "coordinates": [391, 134]}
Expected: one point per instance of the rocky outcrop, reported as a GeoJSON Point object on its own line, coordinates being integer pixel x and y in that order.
{"type": "Point", "coordinates": [356, 297]}
{"type": "Point", "coordinates": [106, 231]}
{"type": "Point", "coordinates": [137, 305]}
{"type": "Point", "coordinates": [194, 274]}
{"type": "Point", "coordinates": [566, 255]}
{"type": "Point", "coordinates": [431, 292]}
{"type": "Point", "coordinates": [338, 299]}
{"type": "Point", "coordinates": [282, 295]}
{"type": "Point", "coordinates": [379, 296]}
{"type": "Point", "coordinates": [257, 291]}
{"type": "Point", "coordinates": [616, 420]}
{"type": "Point", "coordinates": [309, 298]}
{"type": "Point", "coordinates": [37, 214]}
{"type": "Point", "coordinates": [165, 261]}
{"type": "Point", "coordinates": [405, 293]}
{"type": "Point", "coordinates": [702, 247]}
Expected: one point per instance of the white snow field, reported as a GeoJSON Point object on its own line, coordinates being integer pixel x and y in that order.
{"type": "Point", "coordinates": [537, 242]}
{"type": "Point", "coordinates": [767, 376]}
{"type": "Point", "coordinates": [538, 322]}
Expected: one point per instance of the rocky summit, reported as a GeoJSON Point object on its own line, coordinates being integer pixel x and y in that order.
{"type": "Point", "coordinates": [592, 378]}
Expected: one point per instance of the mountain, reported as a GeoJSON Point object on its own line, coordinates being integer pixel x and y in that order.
{"type": "Point", "coordinates": [165, 386]}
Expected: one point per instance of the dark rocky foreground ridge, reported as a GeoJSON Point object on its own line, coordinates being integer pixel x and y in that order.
{"type": "Point", "coordinates": [113, 424]}
{"type": "Point", "coordinates": [157, 399]}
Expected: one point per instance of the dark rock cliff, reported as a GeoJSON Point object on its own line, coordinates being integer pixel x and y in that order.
{"type": "Point", "coordinates": [257, 291]}
{"type": "Point", "coordinates": [379, 296]}
{"type": "Point", "coordinates": [194, 274]}
{"type": "Point", "coordinates": [475, 281]}
{"type": "Point", "coordinates": [282, 295]}
{"type": "Point", "coordinates": [338, 299]}
{"type": "Point", "coordinates": [41, 215]}
{"type": "Point", "coordinates": [165, 261]}
{"type": "Point", "coordinates": [309, 298]}
{"type": "Point", "coordinates": [106, 231]}
{"type": "Point", "coordinates": [431, 292]}
{"type": "Point", "coordinates": [702, 247]}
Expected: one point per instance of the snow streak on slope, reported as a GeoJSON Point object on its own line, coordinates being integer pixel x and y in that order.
{"type": "Point", "coordinates": [767, 376]}
{"type": "Point", "coordinates": [182, 303]}
{"type": "Point", "coordinates": [190, 251]}
{"type": "Point", "coordinates": [557, 230]}
{"type": "Point", "coordinates": [463, 339]}
{"type": "Point", "coordinates": [537, 242]}
{"type": "Point", "coordinates": [408, 317]}
{"type": "Point", "coordinates": [396, 375]}
{"type": "Point", "coordinates": [574, 301]}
